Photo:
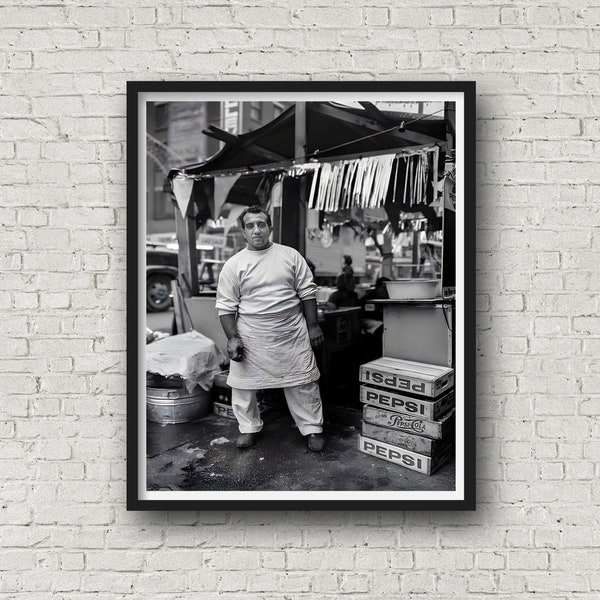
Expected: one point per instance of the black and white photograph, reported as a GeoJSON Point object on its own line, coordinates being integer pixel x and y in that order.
{"type": "Point", "coordinates": [301, 295]}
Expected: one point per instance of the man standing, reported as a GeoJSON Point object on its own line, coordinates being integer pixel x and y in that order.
{"type": "Point", "coordinates": [266, 300]}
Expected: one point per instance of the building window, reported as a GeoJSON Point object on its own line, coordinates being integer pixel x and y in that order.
{"type": "Point", "coordinates": [256, 112]}
{"type": "Point", "coordinates": [161, 116]}
{"type": "Point", "coordinates": [163, 207]}
{"type": "Point", "coordinates": [161, 204]}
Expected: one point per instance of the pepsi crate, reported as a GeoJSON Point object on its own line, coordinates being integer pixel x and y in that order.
{"type": "Point", "coordinates": [408, 441]}
{"type": "Point", "coordinates": [221, 392]}
{"type": "Point", "coordinates": [383, 398]}
{"type": "Point", "coordinates": [408, 459]}
{"type": "Point", "coordinates": [435, 430]}
{"type": "Point", "coordinates": [416, 378]}
{"type": "Point", "coordinates": [221, 395]}
{"type": "Point", "coordinates": [223, 410]}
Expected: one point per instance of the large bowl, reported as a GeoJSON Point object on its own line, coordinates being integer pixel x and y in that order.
{"type": "Point", "coordinates": [412, 289]}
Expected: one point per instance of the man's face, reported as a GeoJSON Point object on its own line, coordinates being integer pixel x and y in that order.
{"type": "Point", "coordinates": [256, 231]}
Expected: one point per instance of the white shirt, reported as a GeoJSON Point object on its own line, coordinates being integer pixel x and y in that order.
{"type": "Point", "coordinates": [258, 282]}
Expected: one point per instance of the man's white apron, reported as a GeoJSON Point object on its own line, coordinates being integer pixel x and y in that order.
{"type": "Point", "coordinates": [277, 352]}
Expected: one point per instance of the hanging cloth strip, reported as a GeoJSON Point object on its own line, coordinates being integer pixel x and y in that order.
{"type": "Point", "coordinates": [366, 182]}
{"type": "Point", "coordinates": [325, 175]}
{"type": "Point", "coordinates": [407, 160]}
{"type": "Point", "coordinates": [313, 187]}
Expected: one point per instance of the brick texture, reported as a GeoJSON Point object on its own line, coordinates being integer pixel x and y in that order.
{"type": "Point", "coordinates": [64, 529]}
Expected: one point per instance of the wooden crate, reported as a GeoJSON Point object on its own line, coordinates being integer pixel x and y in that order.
{"type": "Point", "coordinates": [407, 376]}
{"type": "Point", "coordinates": [435, 430]}
{"type": "Point", "coordinates": [223, 410]}
{"type": "Point", "coordinates": [221, 395]}
{"type": "Point", "coordinates": [405, 458]}
{"type": "Point", "coordinates": [221, 392]}
{"type": "Point", "coordinates": [431, 409]}
{"type": "Point", "coordinates": [408, 441]}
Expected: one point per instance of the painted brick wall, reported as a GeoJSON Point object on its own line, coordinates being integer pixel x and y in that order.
{"type": "Point", "coordinates": [64, 530]}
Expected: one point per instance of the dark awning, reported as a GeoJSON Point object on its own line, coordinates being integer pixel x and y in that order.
{"type": "Point", "coordinates": [332, 130]}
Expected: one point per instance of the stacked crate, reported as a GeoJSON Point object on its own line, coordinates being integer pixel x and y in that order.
{"type": "Point", "coordinates": [221, 394]}
{"type": "Point", "coordinates": [408, 413]}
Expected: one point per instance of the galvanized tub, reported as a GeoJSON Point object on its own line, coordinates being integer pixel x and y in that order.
{"type": "Point", "coordinates": [176, 405]}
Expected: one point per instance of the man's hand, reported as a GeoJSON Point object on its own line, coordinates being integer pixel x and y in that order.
{"type": "Point", "coordinates": [235, 348]}
{"type": "Point", "coordinates": [316, 336]}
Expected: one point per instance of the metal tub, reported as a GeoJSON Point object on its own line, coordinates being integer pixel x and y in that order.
{"type": "Point", "coordinates": [169, 405]}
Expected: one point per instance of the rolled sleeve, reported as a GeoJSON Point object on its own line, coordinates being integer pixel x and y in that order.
{"type": "Point", "coordinates": [228, 293]}
{"type": "Point", "coordinates": [305, 285]}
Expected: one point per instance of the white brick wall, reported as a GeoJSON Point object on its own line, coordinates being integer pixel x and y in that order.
{"type": "Point", "coordinates": [64, 529]}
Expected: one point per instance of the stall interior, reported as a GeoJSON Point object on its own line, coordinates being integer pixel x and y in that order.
{"type": "Point", "coordinates": [362, 194]}
{"type": "Point", "coordinates": [357, 190]}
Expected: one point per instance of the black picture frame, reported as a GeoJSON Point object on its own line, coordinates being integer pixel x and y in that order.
{"type": "Point", "coordinates": [462, 497]}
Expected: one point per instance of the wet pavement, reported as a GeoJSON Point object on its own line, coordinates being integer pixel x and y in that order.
{"type": "Point", "coordinates": [201, 455]}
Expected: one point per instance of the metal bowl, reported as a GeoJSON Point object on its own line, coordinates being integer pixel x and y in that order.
{"type": "Point", "coordinates": [412, 289]}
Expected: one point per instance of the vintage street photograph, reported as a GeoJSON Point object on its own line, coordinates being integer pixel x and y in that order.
{"type": "Point", "coordinates": [300, 298]}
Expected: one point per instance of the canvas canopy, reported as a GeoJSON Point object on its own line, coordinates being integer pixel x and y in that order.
{"type": "Point", "coordinates": [332, 130]}
{"type": "Point", "coordinates": [241, 170]}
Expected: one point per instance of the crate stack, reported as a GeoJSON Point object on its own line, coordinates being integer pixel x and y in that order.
{"type": "Point", "coordinates": [221, 395]}
{"type": "Point", "coordinates": [408, 413]}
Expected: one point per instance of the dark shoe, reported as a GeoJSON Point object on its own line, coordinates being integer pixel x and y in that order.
{"type": "Point", "coordinates": [316, 442]}
{"type": "Point", "coordinates": [245, 440]}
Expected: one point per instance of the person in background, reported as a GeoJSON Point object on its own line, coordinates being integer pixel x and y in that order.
{"type": "Point", "coordinates": [379, 292]}
{"type": "Point", "coordinates": [347, 266]}
{"type": "Point", "coordinates": [266, 301]}
{"type": "Point", "coordinates": [344, 295]}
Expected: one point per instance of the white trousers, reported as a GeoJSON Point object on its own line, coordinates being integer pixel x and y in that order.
{"type": "Point", "coordinates": [304, 403]}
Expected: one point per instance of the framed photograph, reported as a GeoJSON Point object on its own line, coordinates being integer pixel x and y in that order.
{"type": "Point", "coordinates": [301, 295]}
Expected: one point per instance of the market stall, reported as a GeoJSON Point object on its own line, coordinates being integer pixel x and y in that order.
{"type": "Point", "coordinates": [338, 181]}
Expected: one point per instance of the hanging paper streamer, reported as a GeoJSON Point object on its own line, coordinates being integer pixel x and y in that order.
{"type": "Point", "coordinates": [223, 186]}
{"type": "Point", "coordinates": [277, 194]}
{"type": "Point", "coordinates": [365, 182]}
{"type": "Point", "coordinates": [182, 189]}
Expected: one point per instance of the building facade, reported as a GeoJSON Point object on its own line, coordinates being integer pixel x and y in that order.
{"type": "Point", "coordinates": [175, 137]}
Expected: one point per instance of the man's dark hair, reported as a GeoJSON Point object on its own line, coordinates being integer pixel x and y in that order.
{"type": "Point", "coordinates": [255, 209]}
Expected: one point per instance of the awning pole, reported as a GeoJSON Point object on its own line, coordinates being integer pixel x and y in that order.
{"type": "Point", "coordinates": [299, 152]}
